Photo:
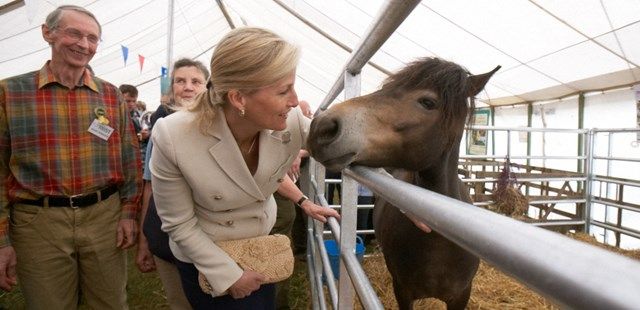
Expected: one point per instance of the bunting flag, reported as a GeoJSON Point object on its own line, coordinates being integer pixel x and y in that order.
{"type": "Point", "coordinates": [141, 61]}
{"type": "Point", "coordinates": [164, 81]}
{"type": "Point", "coordinates": [125, 53]}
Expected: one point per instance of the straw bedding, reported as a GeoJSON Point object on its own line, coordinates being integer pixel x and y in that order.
{"type": "Point", "coordinates": [491, 288]}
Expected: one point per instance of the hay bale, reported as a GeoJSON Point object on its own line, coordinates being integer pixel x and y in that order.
{"type": "Point", "coordinates": [507, 199]}
{"type": "Point", "coordinates": [510, 201]}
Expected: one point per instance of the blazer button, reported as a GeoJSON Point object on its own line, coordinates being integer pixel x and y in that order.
{"type": "Point", "coordinates": [229, 223]}
{"type": "Point", "coordinates": [280, 180]}
{"type": "Point", "coordinates": [217, 197]}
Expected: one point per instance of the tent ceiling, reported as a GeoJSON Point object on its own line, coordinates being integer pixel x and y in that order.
{"type": "Point", "coordinates": [547, 48]}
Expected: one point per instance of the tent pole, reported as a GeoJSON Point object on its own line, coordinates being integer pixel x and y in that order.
{"type": "Point", "coordinates": [170, 36]}
{"type": "Point", "coordinates": [389, 18]}
{"type": "Point", "coordinates": [224, 11]}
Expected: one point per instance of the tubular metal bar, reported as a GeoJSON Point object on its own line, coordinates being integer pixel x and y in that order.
{"type": "Point", "coordinates": [536, 202]}
{"type": "Point", "coordinates": [334, 226]}
{"type": "Point", "coordinates": [520, 157]}
{"type": "Point", "coordinates": [315, 277]}
{"type": "Point", "coordinates": [348, 218]}
{"type": "Point", "coordinates": [358, 232]}
{"type": "Point", "coordinates": [614, 130]}
{"type": "Point", "coordinates": [338, 207]}
{"type": "Point", "coordinates": [527, 129]}
{"type": "Point", "coordinates": [361, 283]}
{"type": "Point", "coordinates": [629, 232]}
{"type": "Point", "coordinates": [554, 265]}
{"type": "Point", "coordinates": [328, 273]}
{"type": "Point", "coordinates": [559, 223]}
{"type": "Point", "coordinates": [635, 160]}
{"type": "Point", "coordinates": [606, 180]}
{"type": "Point", "coordinates": [613, 204]}
{"type": "Point", "coordinates": [325, 34]}
{"type": "Point", "coordinates": [390, 16]}
{"type": "Point", "coordinates": [588, 172]}
{"type": "Point", "coordinates": [332, 181]}
{"type": "Point", "coordinates": [520, 180]}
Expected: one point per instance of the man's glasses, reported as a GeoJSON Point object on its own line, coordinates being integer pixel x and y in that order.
{"type": "Point", "coordinates": [77, 35]}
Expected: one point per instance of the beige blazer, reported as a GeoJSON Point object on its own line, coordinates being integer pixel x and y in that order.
{"type": "Point", "coordinates": [204, 191]}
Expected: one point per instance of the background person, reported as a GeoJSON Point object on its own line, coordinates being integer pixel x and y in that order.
{"type": "Point", "coordinates": [130, 95]}
{"type": "Point", "coordinates": [216, 166]}
{"type": "Point", "coordinates": [188, 79]}
{"type": "Point", "coordinates": [71, 179]}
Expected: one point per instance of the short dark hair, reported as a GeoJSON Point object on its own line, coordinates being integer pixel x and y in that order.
{"type": "Point", "coordinates": [187, 62]}
{"type": "Point", "coordinates": [128, 89]}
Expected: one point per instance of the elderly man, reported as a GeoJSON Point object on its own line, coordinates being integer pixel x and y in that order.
{"type": "Point", "coordinates": [70, 167]}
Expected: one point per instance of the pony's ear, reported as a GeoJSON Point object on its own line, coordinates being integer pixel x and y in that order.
{"type": "Point", "coordinates": [477, 82]}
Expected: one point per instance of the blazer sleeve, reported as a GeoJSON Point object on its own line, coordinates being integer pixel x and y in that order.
{"type": "Point", "coordinates": [175, 205]}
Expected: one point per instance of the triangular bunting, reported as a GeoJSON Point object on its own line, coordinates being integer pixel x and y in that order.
{"type": "Point", "coordinates": [164, 81]}
{"type": "Point", "coordinates": [125, 53]}
{"type": "Point", "coordinates": [141, 61]}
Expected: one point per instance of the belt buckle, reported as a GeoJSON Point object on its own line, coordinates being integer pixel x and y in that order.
{"type": "Point", "coordinates": [71, 201]}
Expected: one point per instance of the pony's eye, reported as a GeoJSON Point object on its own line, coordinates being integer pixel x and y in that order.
{"type": "Point", "coordinates": [428, 103]}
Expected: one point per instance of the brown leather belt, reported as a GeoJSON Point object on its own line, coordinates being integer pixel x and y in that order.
{"type": "Point", "coordinates": [75, 201]}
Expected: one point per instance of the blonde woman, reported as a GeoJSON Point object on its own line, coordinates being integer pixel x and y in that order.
{"type": "Point", "coordinates": [215, 167]}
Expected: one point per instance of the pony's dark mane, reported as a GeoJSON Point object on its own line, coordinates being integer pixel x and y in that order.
{"type": "Point", "coordinates": [447, 78]}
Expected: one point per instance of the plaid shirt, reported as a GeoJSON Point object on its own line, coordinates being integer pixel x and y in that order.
{"type": "Point", "coordinates": [45, 148]}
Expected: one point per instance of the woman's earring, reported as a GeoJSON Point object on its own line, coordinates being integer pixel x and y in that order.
{"type": "Point", "coordinates": [241, 112]}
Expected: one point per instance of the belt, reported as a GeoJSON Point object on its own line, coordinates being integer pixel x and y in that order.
{"type": "Point", "coordinates": [75, 201]}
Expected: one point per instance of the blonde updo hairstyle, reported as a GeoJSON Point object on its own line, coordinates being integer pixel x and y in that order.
{"type": "Point", "coordinates": [246, 59]}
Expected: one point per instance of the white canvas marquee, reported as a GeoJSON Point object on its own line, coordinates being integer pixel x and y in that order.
{"type": "Point", "coordinates": [547, 49]}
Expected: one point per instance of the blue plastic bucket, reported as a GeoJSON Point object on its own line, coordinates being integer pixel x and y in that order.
{"type": "Point", "coordinates": [333, 250]}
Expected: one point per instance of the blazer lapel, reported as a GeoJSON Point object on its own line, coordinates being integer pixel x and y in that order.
{"type": "Point", "coordinates": [272, 156]}
{"type": "Point", "coordinates": [227, 154]}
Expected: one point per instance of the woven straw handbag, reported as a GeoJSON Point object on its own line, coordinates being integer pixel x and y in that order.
{"type": "Point", "coordinates": [269, 255]}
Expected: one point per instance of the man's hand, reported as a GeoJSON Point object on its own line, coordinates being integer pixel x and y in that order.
{"type": "Point", "coordinates": [8, 264]}
{"type": "Point", "coordinates": [127, 232]}
{"type": "Point", "coordinates": [144, 258]}
{"type": "Point", "coordinates": [144, 134]}
{"type": "Point", "coordinates": [318, 212]}
{"type": "Point", "coordinates": [249, 282]}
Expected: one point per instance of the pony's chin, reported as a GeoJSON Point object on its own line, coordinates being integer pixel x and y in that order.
{"type": "Point", "coordinates": [338, 163]}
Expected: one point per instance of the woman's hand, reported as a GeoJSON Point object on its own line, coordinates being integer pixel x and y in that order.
{"type": "Point", "coordinates": [318, 212]}
{"type": "Point", "coordinates": [248, 283]}
{"type": "Point", "coordinates": [294, 171]}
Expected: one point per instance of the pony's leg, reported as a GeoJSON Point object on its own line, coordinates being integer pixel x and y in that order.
{"type": "Point", "coordinates": [405, 301]}
{"type": "Point", "coordinates": [460, 302]}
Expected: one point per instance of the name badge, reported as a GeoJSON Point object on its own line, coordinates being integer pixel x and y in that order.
{"type": "Point", "coordinates": [100, 130]}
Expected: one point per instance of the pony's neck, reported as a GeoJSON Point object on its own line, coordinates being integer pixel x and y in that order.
{"type": "Point", "coordinates": [443, 177]}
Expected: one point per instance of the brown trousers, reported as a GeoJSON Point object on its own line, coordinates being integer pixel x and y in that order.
{"type": "Point", "coordinates": [62, 251]}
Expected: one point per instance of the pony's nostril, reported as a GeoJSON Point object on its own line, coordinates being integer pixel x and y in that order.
{"type": "Point", "coordinates": [328, 130]}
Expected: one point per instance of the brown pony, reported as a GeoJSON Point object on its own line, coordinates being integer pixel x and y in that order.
{"type": "Point", "coordinates": [412, 126]}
